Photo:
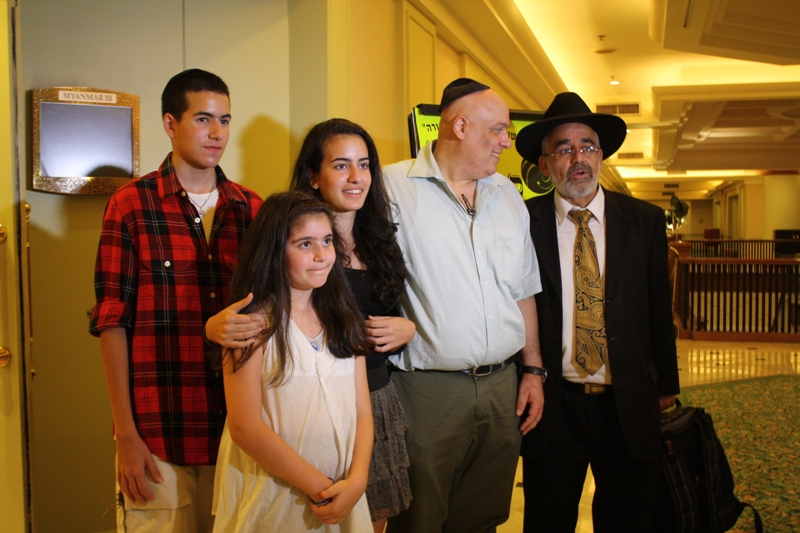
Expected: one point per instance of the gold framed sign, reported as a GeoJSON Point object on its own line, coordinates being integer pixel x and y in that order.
{"type": "Point", "coordinates": [85, 141]}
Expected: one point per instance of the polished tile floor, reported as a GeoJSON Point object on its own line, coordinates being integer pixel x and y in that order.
{"type": "Point", "coordinates": [700, 363]}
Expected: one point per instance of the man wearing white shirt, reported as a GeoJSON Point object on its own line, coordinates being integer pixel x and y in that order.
{"type": "Point", "coordinates": [472, 277]}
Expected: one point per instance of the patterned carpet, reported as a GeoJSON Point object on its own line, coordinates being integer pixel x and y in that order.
{"type": "Point", "coordinates": [758, 423]}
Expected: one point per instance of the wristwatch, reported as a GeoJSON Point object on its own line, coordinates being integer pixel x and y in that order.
{"type": "Point", "coordinates": [535, 370]}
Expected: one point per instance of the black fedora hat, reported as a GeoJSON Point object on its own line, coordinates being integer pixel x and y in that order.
{"type": "Point", "coordinates": [566, 108]}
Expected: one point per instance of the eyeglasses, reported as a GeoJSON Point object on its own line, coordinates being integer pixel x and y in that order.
{"type": "Point", "coordinates": [568, 152]}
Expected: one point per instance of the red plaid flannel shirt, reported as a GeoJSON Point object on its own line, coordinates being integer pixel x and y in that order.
{"type": "Point", "coordinates": [157, 277]}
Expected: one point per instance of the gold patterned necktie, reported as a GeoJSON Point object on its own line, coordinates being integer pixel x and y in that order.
{"type": "Point", "coordinates": [591, 351]}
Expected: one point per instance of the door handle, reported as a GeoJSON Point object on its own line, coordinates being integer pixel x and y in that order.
{"type": "Point", "coordinates": [5, 357]}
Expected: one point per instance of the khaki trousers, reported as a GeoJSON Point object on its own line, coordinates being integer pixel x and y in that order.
{"type": "Point", "coordinates": [182, 502]}
{"type": "Point", "coordinates": [463, 441]}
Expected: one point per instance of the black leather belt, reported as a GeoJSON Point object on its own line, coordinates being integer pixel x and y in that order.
{"type": "Point", "coordinates": [585, 388]}
{"type": "Point", "coordinates": [484, 370]}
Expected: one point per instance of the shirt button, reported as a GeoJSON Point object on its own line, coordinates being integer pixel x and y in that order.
{"type": "Point", "coordinates": [479, 252]}
{"type": "Point", "coordinates": [490, 317]}
{"type": "Point", "coordinates": [486, 283]}
{"type": "Point", "coordinates": [209, 257]}
{"type": "Point", "coordinates": [183, 193]}
{"type": "Point", "coordinates": [167, 263]}
{"type": "Point", "coordinates": [213, 295]}
{"type": "Point", "coordinates": [197, 220]}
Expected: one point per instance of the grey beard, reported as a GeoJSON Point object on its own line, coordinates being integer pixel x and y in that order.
{"type": "Point", "coordinates": [569, 189]}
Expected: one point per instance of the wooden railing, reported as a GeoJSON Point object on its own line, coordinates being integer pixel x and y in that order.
{"type": "Point", "coordinates": [745, 249]}
{"type": "Point", "coordinates": [729, 298]}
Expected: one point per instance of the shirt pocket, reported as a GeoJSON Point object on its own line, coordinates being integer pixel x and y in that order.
{"type": "Point", "coordinates": [509, 260]}
{"type": "Point", "coordinates": [169, 274]}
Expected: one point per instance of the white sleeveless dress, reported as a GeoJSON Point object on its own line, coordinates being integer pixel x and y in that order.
{"type": "Point", "coordinates": [315, 413]}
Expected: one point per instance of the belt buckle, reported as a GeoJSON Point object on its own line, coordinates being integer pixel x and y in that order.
{"type": "Point", "coordinates": [594, 388]}
{"type": "Point", "coordinates": [492, 368]}
{"type": "Point", "coordinates": [481, 374]}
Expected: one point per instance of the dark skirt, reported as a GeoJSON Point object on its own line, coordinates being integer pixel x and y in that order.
{"type": "Point", "coordinates": [388, 488]}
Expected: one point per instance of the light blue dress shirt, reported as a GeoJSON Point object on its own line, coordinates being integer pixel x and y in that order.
{"type": "Point", "coordinates": [465, 274]}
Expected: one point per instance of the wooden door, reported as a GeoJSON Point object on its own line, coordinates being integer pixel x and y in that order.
{"type": "Point", "coordinates": [13, 459]}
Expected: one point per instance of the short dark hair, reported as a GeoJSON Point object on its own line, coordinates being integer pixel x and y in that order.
{"type": "Point", "coordinates": [194, 80]}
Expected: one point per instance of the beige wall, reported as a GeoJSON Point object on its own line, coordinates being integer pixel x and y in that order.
{"type": "Point", "coordinates": [663, 204]}
{"type": "Point", "coordinates": [753, 211]}
{"type": "Point", "coordinates": [723, 201]}
{"type": "Point", "coordinates": [700, 217]}
{"type": "Point", "coordinates": [449, 66]}
{"type": "Point", "coordinates": [761, 205]}
{"type": "Point", "coordinates": [780, 203]}
{"type": "Point", "coordinates": [308, 72]}
{"type": "Point", "coordinates": [375, 74]}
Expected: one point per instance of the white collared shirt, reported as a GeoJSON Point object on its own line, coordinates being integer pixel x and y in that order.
{"type": "Point", "coordinates": [566, 230]}
{"type": "Point", "coordinates": [465, 274]}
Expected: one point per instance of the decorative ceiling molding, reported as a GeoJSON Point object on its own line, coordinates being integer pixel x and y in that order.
{"type": "Point", "coordinates": [765, 31]}
{"type": "Point", "coordinates": [753, 126]}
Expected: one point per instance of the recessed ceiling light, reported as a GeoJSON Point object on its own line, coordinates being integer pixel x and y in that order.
{"type": "Point", "coordinates": [613, 81]}
{"type": "Point", "coordinates": [605, 50]}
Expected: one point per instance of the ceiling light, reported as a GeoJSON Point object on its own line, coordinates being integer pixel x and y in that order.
{"type": "Point", "coordinates": [613, 81]}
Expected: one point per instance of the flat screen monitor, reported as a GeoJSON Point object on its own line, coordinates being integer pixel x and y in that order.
{"type": "Point", "coordinates": [423, 127]}
{"type": "Point", "coordinates": [85, 141]}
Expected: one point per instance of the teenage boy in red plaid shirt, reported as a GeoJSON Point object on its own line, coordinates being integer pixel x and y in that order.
{"type": "Point", "coordinates": [167, 250]}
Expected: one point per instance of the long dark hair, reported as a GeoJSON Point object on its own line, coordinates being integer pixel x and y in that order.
{"type": "Point", "coordinates": [262, 270]}
{"type": "Point", "coordinates": [373, 231]}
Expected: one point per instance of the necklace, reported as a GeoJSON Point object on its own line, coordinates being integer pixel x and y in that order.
{"type": "Point", "coordinates": [310, 322]}
{"type": "Point", "coordinates": [315, 344]}
{"type": "Point", "coordinates": [200, 210]}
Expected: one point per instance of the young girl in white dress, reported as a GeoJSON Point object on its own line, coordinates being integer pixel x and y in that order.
{"type": "Point", "coordinates": [338, 163]}
{"type": "Point", "coordinates": [296, 446]}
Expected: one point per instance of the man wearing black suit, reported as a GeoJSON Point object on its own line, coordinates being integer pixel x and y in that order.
{"type": "Point", "coordinates": [612, 373]}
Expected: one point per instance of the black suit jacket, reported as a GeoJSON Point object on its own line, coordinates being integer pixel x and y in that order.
{"type": "Point", "coordinates": [638, 313]}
